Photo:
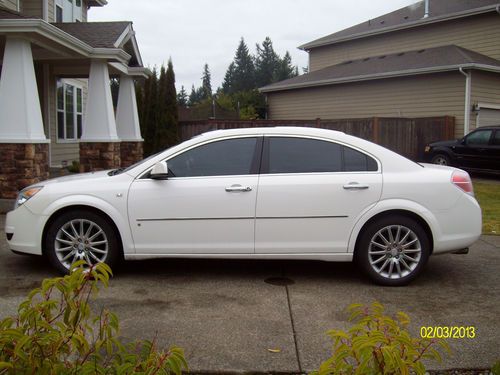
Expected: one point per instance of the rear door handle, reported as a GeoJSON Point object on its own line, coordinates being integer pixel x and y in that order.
{"type": "Point", "coordinates": [238, 188]}
{"type": "Point", "coordinates": [355, 186]}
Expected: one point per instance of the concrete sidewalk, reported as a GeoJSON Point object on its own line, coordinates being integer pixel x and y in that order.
{"type": "Point", "coordinates": [226, 316]}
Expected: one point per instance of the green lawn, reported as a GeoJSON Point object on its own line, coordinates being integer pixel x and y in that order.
{"type": "Point", "coordinates": [488, 196]}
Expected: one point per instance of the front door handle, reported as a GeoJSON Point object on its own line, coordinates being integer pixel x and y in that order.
{"type": "Point", "coordinates": [236, 188]}
{"type": "Point", "coordinates": [355, 186]}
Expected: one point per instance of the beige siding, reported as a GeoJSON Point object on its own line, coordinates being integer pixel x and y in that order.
{"type": "Point", "coordinates": [32, 8]}
{"type": "Point", "coordinates": [10, 4]}
{"type": "Point", "coordinates": [486, 90]}
{"type": "Point", "coordinates": [429, 95]}
{"type": "Point", "coordinates": [480, 34]}
{"type": "Point", "coordinates": [52, 11]}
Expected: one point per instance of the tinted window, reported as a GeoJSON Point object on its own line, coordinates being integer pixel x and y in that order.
{"type": "Point", "coordinates": [480, 137]}
{"type": "Point", "coordinates": [221, 158]}
{"type": "Point", "coordinates": [355, 161]}
{"type": "Point", "coordinates": [496, 139]}
{"type": "Point", "coordinates": [300, 155]}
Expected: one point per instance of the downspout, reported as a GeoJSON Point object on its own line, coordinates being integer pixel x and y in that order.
{"type": "Point", "coordinates": [468, 79]}
{"type": "Point", "coordinates": [45, 10]}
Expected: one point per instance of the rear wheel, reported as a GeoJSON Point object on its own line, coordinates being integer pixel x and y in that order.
{"type": "Point", "coordinates": [393, 250]}
{"type": "Point", "coordinates": [81, 235]}
{"type": "Point", "coordinates": [441, 159]}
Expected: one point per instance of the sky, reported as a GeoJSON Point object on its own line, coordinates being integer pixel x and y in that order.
{"type": "Point", "coordinates": [195, 32]}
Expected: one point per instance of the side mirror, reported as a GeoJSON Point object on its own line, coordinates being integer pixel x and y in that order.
{"type": "Point", "coordinates": [463, 141]}
{"type": "Point", "coordinates": [159, 171]}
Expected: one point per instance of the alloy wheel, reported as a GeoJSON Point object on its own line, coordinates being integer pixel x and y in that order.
{"type": "Point", "coordinates": [81, 239]}
{"type": "Point", "coordinates": [394, 252]}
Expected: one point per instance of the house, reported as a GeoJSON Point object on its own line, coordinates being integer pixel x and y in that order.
{"type": "Point", "coordinates": [55, 97]}
{"type": "Point", "coordinates": [432, 58]}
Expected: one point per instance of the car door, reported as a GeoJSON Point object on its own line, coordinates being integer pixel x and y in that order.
{"type": "Point", "coordinates": [311, 193]}
{"type": "Point", "coordinates": [472, 152]}
{"type": "Point", "coordinates": [207, 204]}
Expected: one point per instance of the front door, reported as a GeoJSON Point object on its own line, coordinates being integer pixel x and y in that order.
{"type": "Point", "coordinates": [207, 205]}
{"type": "Point", "coordinates": [311, 193]}
{"type": "Point", "coordinates": [473, 152]}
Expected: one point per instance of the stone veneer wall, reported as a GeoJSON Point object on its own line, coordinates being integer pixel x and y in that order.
{"type": "Point", "coordinates": [99, 156]}
{"type": "Point", "coordinates": [131, 153]}
{"type": "Point", "coordinates": [22, 164]}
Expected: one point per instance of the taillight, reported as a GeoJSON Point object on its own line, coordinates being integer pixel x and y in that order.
{"type": "Point", "coordinates": [462, 180]}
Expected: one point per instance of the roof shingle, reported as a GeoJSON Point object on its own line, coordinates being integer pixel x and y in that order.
{"type": "Point", "coordinates": [407, 15]}
{"type": "Point", "coordinates": [384, 65]}
{"type": "Point", "coordinates": [95, 34]}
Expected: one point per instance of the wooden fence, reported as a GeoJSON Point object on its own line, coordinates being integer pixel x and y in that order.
{"type": "Point", "coordinates": [406, 136]}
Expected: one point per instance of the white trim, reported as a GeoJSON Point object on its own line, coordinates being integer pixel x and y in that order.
{"type": "Point", "coordinates": [76, 85]}
{"type": "Point", "coordinates": [29, 141]}
{"type": "Point", "coordinates": [487, 105]}
{"type": "Point", "coordinates": [124, 37]}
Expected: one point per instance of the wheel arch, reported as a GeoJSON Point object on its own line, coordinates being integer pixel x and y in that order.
{"type": "Point", "coordinates": [443, 151]}
{"type": "Point", "coordinates": [84, 207]}
{"type": "Point", "coordinates": [396, 211]}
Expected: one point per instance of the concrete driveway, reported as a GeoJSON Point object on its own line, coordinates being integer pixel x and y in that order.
{"type": "Point", "coordinates": [226, 316]}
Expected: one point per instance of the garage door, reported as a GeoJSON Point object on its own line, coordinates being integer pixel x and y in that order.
{"type": "Point", "coordinates": [488, 117]}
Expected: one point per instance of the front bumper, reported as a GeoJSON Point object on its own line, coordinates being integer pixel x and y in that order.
{"type": "Point", "coordinates": [24, 231]}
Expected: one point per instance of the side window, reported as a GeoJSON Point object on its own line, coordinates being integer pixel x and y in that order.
{"type": "Point", "coordinates": [355, 161]}
{"type": "Point", "coordinates": [496, 139]}
{"type": "Point", "coordinates": [220, 158]}
{"type": "Point", "coordinates": [302, 155]}
{"type": "Point", "coordinates": [479, 137]}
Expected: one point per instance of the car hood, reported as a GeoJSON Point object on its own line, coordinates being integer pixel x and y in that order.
{"type": "Point", "coordinates": [445, 143]}
{"type": "Point", "coordinates": [78, 176]}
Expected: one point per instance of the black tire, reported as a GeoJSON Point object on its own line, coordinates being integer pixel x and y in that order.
{"type": "Point", "coordinates": [54, 250]}
{"type": "Point", "coordinates": [441, 159]}
{"type": "Point", "coordinates": [406, 261]}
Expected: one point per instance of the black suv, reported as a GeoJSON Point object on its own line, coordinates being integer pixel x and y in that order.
{"type": "Point", "coordinates": [477, 151]}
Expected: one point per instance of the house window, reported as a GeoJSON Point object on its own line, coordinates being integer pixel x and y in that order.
{"type": "Point", "coordinates": [69, 10]}
{"type": "Point", "coordinates": [59, 14]}
{"type": "Point", "coordinates": [69, 111]}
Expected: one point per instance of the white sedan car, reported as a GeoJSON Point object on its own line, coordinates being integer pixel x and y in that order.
{"type": "Point", "coordinates": [262, 193]}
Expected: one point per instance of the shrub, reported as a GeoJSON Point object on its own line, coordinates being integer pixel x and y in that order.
{"type": "Point", "coordinates": [378, 344]}
{"type": "Point", "coordinates": [74, 167]}
{"type": "Point", "coordinates": [56, 332]}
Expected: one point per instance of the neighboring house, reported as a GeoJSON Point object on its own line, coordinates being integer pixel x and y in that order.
{"type": "Point", "coordinates": [55, 89]}
{"type": "Point", "coordinates": [432, 58]}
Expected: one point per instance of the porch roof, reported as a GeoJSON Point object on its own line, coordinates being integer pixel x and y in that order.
{"type": "Point", "coordinates": [112, 41]}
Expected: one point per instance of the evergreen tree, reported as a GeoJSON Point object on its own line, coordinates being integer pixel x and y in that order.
{"type": "Point", "coordinates": [228, 79]}
{"type": "Point", "coordinates": [182, 97]}
{"type": "Point", "coordinates": [285, 68]}
{"type": "Point", "coordinates": [193, 97]}
{"type": "Point", "coordinates": [167, 133]}
{"type": "Point", "coordinates": [148, 119]}
{"type": "Point", "coordinates": [244, 69]}
{"type": "Point", "coordinates": [266, 63]}
{"type": "Point", "coordinates": [206, 83]}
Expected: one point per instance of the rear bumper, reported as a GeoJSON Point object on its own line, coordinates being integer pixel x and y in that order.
{"type": "Point", "coordinates": [459, 227]}
{"type": "Point", "coordinates": [24, 230]}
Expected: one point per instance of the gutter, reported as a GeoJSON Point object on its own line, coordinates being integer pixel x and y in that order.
{"type": "Point", "coordinates": [45, 29]}
{"type": "Point", "coordinates": [408, 25]}
{"type": "Point", "coordinates": [468, 79]}
{"type": "Point", "coordinates": [368, 77]}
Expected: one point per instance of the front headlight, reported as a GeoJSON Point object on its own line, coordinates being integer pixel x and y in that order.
{"type": "Point", "coordinates": [427, 148]}
{"type": "Point", "coordinates": [26, 194]}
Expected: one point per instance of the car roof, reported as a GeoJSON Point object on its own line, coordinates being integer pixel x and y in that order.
{"type": "Point", "coordinates": [275, 130]}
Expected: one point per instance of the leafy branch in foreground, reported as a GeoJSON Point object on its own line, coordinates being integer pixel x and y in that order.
{"type": "Point", "coordinates": [56, 332]}
{"type": "Point", "coordinates": [379, 344]}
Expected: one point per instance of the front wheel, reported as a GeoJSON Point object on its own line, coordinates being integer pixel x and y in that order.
{"type": "Point", "coordinates": [393, 250]}
{"type": "Point", "coordinates": [80, 235]}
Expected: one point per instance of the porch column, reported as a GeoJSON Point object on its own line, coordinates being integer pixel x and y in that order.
{"type": "Point", "coordinates": [23, 146]}
{"type": "Point", "coordinates": [127, 121]}
{"type": "Point", "coordinates": [99, 145]}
